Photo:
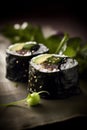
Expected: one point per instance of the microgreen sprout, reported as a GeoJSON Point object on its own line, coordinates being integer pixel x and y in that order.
{"type": "Point", "coordinates": [33, 99]}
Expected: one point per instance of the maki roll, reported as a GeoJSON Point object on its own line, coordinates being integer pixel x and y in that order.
{"type": "Point", "coordinates": [18, 56]}
{"type": "Point", "coordinates": [55, 74]}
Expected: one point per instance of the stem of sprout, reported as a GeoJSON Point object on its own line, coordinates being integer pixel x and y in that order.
{"type": "Point", "coordinates": [63, 41]}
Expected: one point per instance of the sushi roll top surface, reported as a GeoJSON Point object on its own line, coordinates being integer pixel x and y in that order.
{"type": "Point", "coordinates": [27, 49]}
{"type": "Point", "coordinates": [53, 62]}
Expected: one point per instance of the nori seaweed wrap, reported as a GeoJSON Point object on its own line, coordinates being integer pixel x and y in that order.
{"type": "Point", "coordinates": [55, 74]}
{"type": "Point", "coordinates": [18, 56]}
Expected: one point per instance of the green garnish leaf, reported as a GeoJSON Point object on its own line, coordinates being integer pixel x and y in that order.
{"type": "Point", "coordinates": [70, 52]}
{"type": "Point", "coordinates": [82, 60]}
{"type": "Point", "coordinates": [52, 42]}
{"type": "Point", "coordinates": [83, 51]}
{"type": "Point", "coordinates": [73, 46]}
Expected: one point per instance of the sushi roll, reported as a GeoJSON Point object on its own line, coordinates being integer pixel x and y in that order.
{"type": "Point", "coordinates": [18, 56]}
{"type": "Point", "coordinates": [55, 74]}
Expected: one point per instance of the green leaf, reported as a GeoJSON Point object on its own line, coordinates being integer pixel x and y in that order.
{"type": "Point", "coordinates": [84, 51]}
{"type": "Point", "coordinates": [38, 35]}
{"type": "Point", "coordinates": [82, 59]}
{"type": "Point", "coordinates": [70, 52]}
{"type": "Point", "coordinates": [73, 46]}
{"type": "Point", "coordinates": [52, 42]}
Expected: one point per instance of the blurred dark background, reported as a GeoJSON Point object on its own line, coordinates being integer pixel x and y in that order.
{"type": "Point", "coordinates": [66, 15]}
{"type": "Point", "coordinates": [36, 8]}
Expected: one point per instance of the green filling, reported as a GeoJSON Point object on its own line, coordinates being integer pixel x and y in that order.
{"type": "Point", "coordinates": [20, 46]}
{"type": "Point", "coordinates": [53, 60]}
{"type": "Point", "coordinates": [41, 59]}
{"type": "Point", "coordinates": [47, 58]}
{"type": "Point", "coordinates": [28, 46]}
